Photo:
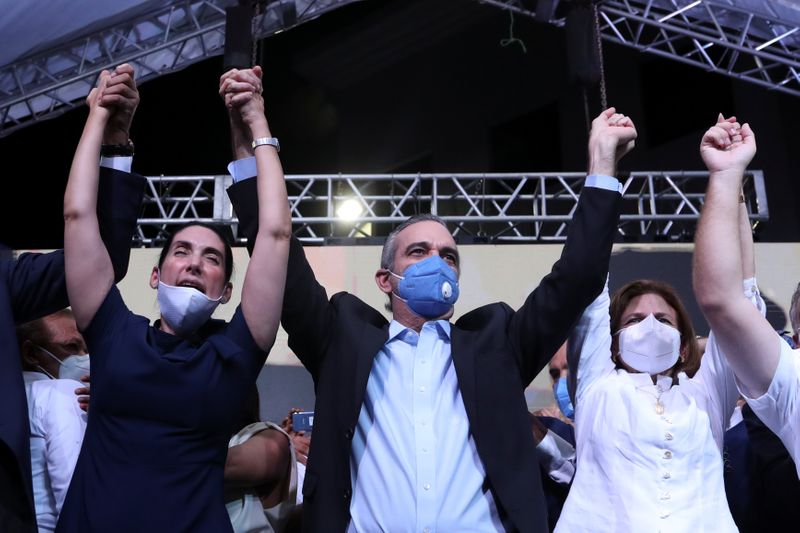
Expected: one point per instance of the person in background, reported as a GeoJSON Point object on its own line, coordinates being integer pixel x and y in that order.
{"type": "Point", "coordinates": [54, 357]}
{"type": "Point", "coordinates": [555, 439]}
{"type": "Point", "coordinates": [301, 442]}
{"type": "Point", "coordinates": [558, 369]}
{"type": "Point", "coordinates": [260, 475]}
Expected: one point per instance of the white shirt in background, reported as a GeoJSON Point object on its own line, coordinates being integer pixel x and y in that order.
{"type": "Point", "coordinates": [57, 427]}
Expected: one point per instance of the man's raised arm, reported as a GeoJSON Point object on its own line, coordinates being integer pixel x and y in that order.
{"type": "Point", "coordinates": [749, 342]}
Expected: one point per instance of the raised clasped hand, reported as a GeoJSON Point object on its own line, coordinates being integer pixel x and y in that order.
{"type": "Point", "coordinates": [613, 135]}
{"type": "Point", "coordinates": [241, 91]}
{"type": "Point", "coordinates": [728, 146]}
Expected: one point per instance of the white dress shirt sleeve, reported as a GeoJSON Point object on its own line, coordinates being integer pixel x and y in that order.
{"type": "Point", "coordinates": [242, 169]}
{"type": "Point", "coordinates": [779, 407]}
{"type": "Point", "coordinates": [601, 181]}
{"type": "Point", "coordinates": [64, 424]}
{"type": "Point", "coordinates": [557, 457]}
{"type": "Point", "coordinates": [123, 163]}
{"type": "Point", "coordinates": [589, 347]}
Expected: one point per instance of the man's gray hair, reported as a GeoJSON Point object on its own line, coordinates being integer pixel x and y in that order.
{"type": "Point", "coordinates": [794, 310]}
{"type": "Point", "coordinates": [390, 246]}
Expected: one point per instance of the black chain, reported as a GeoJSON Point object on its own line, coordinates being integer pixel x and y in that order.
{"type": "Point", "coordinates": [599, 45]}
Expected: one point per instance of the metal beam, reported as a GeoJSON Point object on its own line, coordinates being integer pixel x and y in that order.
{"type": "Point", "coordinates": [49, 83]}
{"type": "Point", "coordinates": [529, 207]}
{"type": "Point", "coordinates": [752, 40]}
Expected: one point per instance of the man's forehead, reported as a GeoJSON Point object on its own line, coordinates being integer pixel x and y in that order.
{"type": "Point", "coordinates": [428, 231]}
{"type": "Point", "coordinates": [61, 325]}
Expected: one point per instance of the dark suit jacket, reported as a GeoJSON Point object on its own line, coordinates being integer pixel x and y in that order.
{"type": "Point", "coordinates": [33, 286]}
{"type": "Point", "coordinates": [496, 353]}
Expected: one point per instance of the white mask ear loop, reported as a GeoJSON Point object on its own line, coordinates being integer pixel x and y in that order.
{"type": "Point", "coordinates": [45, 372]}
{"type": "Point", "coordinates": [50, 355]}
{"type": "Point", "coordinates": [400, 278]}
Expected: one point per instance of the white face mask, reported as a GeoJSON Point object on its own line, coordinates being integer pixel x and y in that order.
{"type": "Point", "coordinates": [71, 367]}
{"type": "Point", "coordinates": [649, 346]}
{"type": "Point", "coordinates": [185, 309]}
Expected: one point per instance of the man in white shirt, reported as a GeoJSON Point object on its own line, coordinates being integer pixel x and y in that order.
{"type": "Point", "coordinates": [56, 420]}
{"type": "Point", "coordinates": [767, 370]}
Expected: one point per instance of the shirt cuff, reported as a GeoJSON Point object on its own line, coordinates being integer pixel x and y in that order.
{"type": "Point", "coordinates": [752, 293]}
{"type": "Point", "coordinates": [557, 457]}
{"type": "Point", "coordinates": [242, 169]}
{"type": "Point", "coordinates": [122, 163]}
{"type": "Point", "coordinates": [601, 181]}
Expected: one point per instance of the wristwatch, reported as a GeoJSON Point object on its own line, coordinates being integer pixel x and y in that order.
{"type": "Point", "coordinates": [272, 141]}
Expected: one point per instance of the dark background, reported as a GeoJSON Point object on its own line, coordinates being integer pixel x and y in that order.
{"type": "Point", "coordinates": [418, 86]}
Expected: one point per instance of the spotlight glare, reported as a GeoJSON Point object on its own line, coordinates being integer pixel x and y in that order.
{"type": "Point", "coordinates": [349, 210]}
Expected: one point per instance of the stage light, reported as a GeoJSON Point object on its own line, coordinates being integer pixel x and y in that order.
{"type": "Point", "coordinates": [349, 210]}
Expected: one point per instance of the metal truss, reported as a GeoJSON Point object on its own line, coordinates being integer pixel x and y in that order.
{"type": "Point", "coordinates": [169, 39]}
{"type": "Point", "coordinates": [480, 208]}
{"type": "Point", "coordinates": [715, 37]}
{"type": "Point", "coordinates": [753, 40]}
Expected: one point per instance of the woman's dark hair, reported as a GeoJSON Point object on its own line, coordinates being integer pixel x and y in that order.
{"type": "Point", "coordinates": [223, 232]}
{"type": "Point", "coordinates": [623, 296]}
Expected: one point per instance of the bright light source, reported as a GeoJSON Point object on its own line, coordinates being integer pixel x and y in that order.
{"type": "Point", "coordinates": [350, 209]}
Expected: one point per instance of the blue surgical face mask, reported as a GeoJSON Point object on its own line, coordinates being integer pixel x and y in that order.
{"type": "Point", "coordinates": [429, 287]}
{"type": "Point", "coordinates": [562, 398]}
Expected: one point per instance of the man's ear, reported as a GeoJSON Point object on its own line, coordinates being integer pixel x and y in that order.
{"type": "Point", "coordinates": [154, 278]}
{"type": "Point", "coordinates": [226, 294]}
{"type": "Point", "coordinates": [28, 351]}
{"type": "Point", "coordinates": [382, 280]}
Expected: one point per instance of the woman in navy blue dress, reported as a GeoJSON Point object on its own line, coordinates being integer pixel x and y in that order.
{"type": "Point", "coordinates": [164, 396]}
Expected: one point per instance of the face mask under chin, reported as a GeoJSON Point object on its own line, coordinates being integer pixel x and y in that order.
{"type": "Point", "coordinates": [185, 309]}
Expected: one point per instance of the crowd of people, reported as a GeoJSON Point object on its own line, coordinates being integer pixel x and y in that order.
{"type": "Point", "coordinates": [420, 422]}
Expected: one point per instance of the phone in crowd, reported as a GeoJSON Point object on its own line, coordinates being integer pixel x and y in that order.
{"type": "Point", "coordinates": [303, 421]}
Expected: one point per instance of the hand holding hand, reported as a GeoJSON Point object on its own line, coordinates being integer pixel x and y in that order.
{"type": "Point", "coordinates": [613, 135]}
{"type": "Point", "coordinates": [241, 91]}
{"type": "Point", "coordinates": [727, 146]}
{"type": "Point", "coordinates": [93, 100]}
{"type": "Point", "coordinates": [121, 98]}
